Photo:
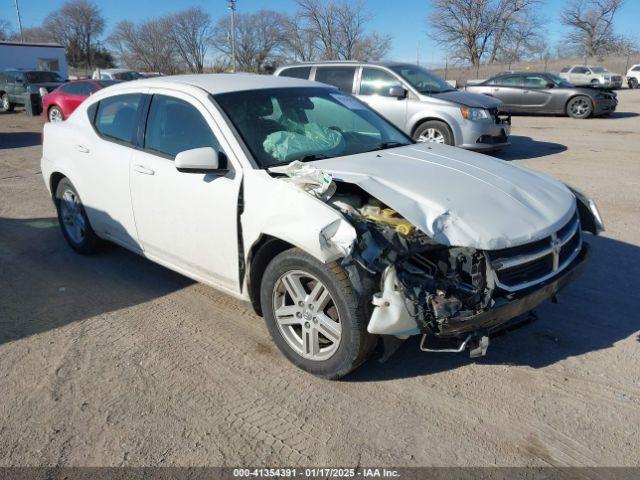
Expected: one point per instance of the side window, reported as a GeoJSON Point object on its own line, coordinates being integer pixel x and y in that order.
{"type": "Point", "coordinates": [116, 117]}
{"type": "Point", "coordinates": [580, 70]}
{"type": "Point", "coordinates": [535, 81]}
{"type": "Point", "coordinates": [341, 77]}
{"type": "Point", "coordinates": [174, 126]}
{"type": "Point", "coordinates": [565, 69]}
{"type": "Point", "coordinates": [636, 68]}
{"type": "Point", "coordinates": [377, 82]}
{"type": "Point", "coordinates": [508, 81]}
{"type": "Point", "coordinates": [296, 72]}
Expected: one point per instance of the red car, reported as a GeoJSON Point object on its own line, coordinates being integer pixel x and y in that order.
{"type": "Point", "coordinates": [61, 102]}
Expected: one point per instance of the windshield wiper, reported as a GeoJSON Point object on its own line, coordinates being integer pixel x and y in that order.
{"type": "Point", "coordinates": [385, 145]}
{"type": "Point", "coordinates": [312, 156]}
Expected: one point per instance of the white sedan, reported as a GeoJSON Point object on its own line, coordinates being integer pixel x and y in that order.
{"type": "Point", "coordinates": [336, 226]}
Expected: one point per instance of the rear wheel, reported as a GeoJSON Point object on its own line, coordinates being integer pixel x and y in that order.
{"type": "Point", "coordinates": [73, 219]}
{"type": "Point", "coordinates": [433, 131]}
{"type": "Point", "coordinates": [55, 114]}
{"type": "Point", "coordinates": [580, 107]}
{"type": "Point", "coordinates": [5, 104]}
{"type": "Point", "coordinates": [313, 316]}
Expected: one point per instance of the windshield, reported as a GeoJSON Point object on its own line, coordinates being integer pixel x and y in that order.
{"type": "Point", "coordinates": [599, 70]}
{"type": "Point", "coordinates": [131, 75]}
{"type": "Point", "coordinates": [43, 77]}
{"type": "Point", "coordinates": [561, 82]}
{"type": "Point", "coordinates": [286, 124]}
{"type": "Point", "coordinates": [422, 79]}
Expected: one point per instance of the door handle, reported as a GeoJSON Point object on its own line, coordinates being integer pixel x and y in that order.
{"type": "Point", "coordinates": [82, 149]}
{"type": "Point", "coordinates": [143, 169]}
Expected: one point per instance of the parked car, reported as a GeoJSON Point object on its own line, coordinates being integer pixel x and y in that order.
{"type": "Point", "coordinates": [123, 74]}
{"type": "Point", "coordinates": [26, 88]}
{"type": "Point", "coordinates": [60, 103]}
{"type": "Point", "coordinates": [633, 76]}
{"type": "Point", "coordinates": [297, 197]}
{"type": "Point", "coordinates": [541, 92]}
{"type": "Point", "coordinates": [581, 75]}
{"type": "Point", "coordinates": [415, 100]}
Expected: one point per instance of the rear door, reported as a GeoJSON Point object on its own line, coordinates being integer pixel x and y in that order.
{"type": "Point", "coordinates": [103, 164]}
{"type": "Point", "coordinates": [373, 89]}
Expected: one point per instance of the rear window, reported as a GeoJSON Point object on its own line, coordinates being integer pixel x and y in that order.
{"type": "Point", "coordinates": [341, 77]}
{"type": "Point", "coordinates": [116, 117]}
{"type": "Point", "coordinates": [43, 77]}
{"type": "Point", "coordinates": [296, 72]}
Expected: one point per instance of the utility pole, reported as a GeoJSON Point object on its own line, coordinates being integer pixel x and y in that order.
{"type": "Point", "coordinates": [232, 9]}
{"type": "Point", "coordinates": [19, 21]}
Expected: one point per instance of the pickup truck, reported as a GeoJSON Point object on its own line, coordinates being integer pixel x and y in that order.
{"type": "Point", "coordinates": [26, 87]}
{"type": "Point", "coordinates": [581, 75]}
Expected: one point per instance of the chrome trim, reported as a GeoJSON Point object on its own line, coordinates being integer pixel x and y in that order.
{"type": "Point", "coordinates": [554, 249]}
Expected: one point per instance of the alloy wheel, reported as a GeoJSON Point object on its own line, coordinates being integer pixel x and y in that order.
{"type": "Point", "coordinates": [579, 107]}
{"type": "Point", "coordinates": [72, 217]}
{"type": "Point", "coordinates": [55, 115]}
{"type": "Point", "coordinates": [306, 315]}
{"type": "Point", "coordinates": [431, 135]}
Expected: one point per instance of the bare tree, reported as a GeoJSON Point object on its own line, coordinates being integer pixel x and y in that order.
{"type": "Point", "coordinates": [464, 27]}
{"type": "Point", "coordinates": [299, 39]}
{"type": "Point", "coordinates": [590, 25]}
{"type": "Point", "coordinates": [337, 30]}
{"type": "Point", "coordinates": [77, 26]}
{"type": "Point", "coordinates": [35, 35]}
{"type": "Point", "coordinates": [145, 46]}
{"type": "Point", "coordinates": [191, 33]}
{"type": "Point", "coordinates": [515, 21]}
{"type": "Point", "coordinates": [6, 31]}
{"type": "Point", "coordinates": [259, 39]}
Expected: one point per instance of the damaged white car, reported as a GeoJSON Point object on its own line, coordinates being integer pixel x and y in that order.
{"type": "Point", "coordinates": [341, 231]}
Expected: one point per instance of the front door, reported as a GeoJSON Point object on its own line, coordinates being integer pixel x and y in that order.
{"type": "Point", "coordinates": [536, 93]}
{"type": "Point", "coordinates": [185, 220]}
{"type": "Point", "coordinates": [374, 90]}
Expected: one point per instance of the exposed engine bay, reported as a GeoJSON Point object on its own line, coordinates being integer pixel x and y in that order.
{"type": "Point", "coordinates": [421, 283]}
{"type": "Point", "coordinates": [416, 284]}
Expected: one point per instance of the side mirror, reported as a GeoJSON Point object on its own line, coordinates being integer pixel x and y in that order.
{"type": "Point", "coordinates": [201, 160]}
{"type": "Point", "coordinates": [397, 91]}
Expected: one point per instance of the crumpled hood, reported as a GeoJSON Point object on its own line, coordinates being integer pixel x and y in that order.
{"type": "Point", "coordinates": [457, 197]}
{"type": "Point", "coordinates": [472, 100]}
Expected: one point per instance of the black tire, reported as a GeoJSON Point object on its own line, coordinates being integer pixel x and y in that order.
{"type": "Point", "coordinates": [88, 242]}
{"type": "Point", "coordinates": [438, 127]}
{"type": "Point", "coordinates": [633, 83]}
{"type": "Point", "coordinates": [580, 107]}
{"type": "Point", "coordinates": [355, 344]}
{"type": "Point", "coordinates": [5, 105]}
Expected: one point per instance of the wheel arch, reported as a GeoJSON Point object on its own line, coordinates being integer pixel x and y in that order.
{"type": "Point", "coordinates": [260, 255]}
{"type": "Point", "coordinates": [566, 104]}
{"type": "Point", "coordinates": [423, 120]}
{"type": "Point", "coordinates": [54, 180]}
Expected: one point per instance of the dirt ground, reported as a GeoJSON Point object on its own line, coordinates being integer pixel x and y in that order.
{"type": "Point", "coordinates": [112, 360]}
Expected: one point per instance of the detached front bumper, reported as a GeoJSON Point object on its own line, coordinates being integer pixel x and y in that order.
{"type": "Point", "coordinates": [507, 308]}
{"type": "Point", "coordinates": [486, 135]}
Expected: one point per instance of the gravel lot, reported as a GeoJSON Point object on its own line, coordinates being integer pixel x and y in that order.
{"type": "Point", "coordinates": [113, 360]}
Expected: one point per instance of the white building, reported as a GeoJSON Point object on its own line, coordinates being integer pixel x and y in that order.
{"type": "Point", "coordinates": [35, 56]}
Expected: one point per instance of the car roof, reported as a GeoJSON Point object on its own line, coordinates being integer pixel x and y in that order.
{"type": "Point", "coordinates": [523, 72]}
{"type": "Point", "coordinates": [215, 83]}
{"type": "Point", "coordinates": [115, 70]}
{"type": "Point", "coordinates": [354, 63]}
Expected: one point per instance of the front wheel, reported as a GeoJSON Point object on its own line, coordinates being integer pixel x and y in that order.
{"type": "Point", "coordinates": [313, 316]}
{"type": "Point", "coordinates": [73, 219]}
{"type": "Point", "coordinates": [433, 131]}
{"type": "Point", "coordinates": [580, 107]}
{"type": "Point", "coordinates": [633, 83]}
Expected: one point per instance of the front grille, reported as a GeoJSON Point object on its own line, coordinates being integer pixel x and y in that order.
{"type": "Point", "coordinates": [526, 265]}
